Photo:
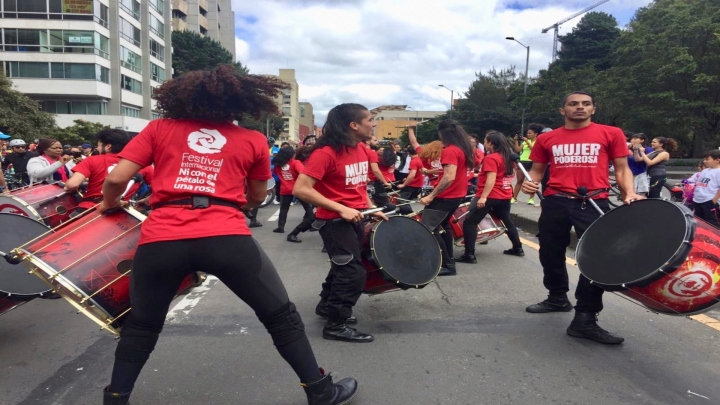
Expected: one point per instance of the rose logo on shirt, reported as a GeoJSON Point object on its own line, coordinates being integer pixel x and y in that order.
{"type": "Point", "coordinates": [110, 168]}
{"type": "Point", "coordinates": [206, 141]}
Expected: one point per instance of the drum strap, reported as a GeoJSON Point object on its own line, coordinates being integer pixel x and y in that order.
{"type": "Point", "coordinates": [198, 202]}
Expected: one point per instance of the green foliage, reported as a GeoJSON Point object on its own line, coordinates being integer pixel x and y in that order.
{"type": "Point", "coordinates": [590, 43]}
{"type": "Point", "coordinates": [81, 132]}
{"type": "Point", "coordinates": [425, 132]}
{"type": "Point", "coordinates": [276, 124]}
{"type": "Point", "coordinates": [20, 116]}
{"type": "Point", "coordinates": [191, 51]}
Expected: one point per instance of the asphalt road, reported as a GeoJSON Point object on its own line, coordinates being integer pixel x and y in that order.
{"type": "Point", "coordinates": [461, 340]}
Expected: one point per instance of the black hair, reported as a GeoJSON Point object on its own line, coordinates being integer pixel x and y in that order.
{"type": "Point", "coordinates": [501, 145]}
{"type": "Point", "coordinates": [712, 154]}
{"type": "Point", "coordinates": [282, 145]}
{"type": "Point", "coordinates": [43, 144]}
{"type": "Point", "coordinates": [307, 139]}
{"type": "Point", "coordinates": [640, 136]}
{"type": "Point", "coordinates": [668, 144]}
{"type": "Point", "coordinates": [336, 128]}
{"type": "Point", "coordinates": [117, 138]}
{"type": "Point", "coordinates": [583, 93]}
{"type": "Point", "coordinates": [452, 133]}
{"type": "Point", "coordinates": [537, 128]}
{"type": "Point", "coordinates": [388, 158]}
{"type": "Point", "coordinates": [411, 150]}
{"type": "Point", "coordinates": [283, 156]}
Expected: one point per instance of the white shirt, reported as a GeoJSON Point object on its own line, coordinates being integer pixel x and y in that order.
{"type": "Point", "coordinates": [707, 185]}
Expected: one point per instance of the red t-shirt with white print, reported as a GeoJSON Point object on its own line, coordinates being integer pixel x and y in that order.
{"type": "Point", "coordinates": [503, 187]}
{"type": "Point", "coordinates": [212, 159]}
{"type": "Point", "coordinates": [341, 177]}
{"type": "Point", "coordinates": [288, 174]}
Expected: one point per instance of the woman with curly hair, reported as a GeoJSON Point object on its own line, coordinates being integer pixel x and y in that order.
{"type": "Point", "coordinates": [208, 171]}
{"type": "Point", "coordinates": [430, 157]}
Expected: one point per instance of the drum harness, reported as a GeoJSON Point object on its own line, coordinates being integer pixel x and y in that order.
{"type": "Point", "coordinates": [198, 202]}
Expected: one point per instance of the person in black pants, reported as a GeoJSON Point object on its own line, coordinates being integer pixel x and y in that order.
{"type": "Point", "coordinates": [287, 169]}
{"type": "Point", "coordinates": [203, 227]}
{"type": "Point", "coordinates": [456, 158]}
{"type": "Point", "coordinates": [334, 180]}
{"type": "Point", "coordinates": [493, 195]}
{"type": "Point", "coordinates": [412, 184]}
{"type": "Point", "coordinates": [578, 155]}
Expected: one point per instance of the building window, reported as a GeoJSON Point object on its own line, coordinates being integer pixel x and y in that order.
{"type": "Point", "coordinates": [101, 14]}
{"type": "Point", "coordinates": [60, 41]}
{"type": "Point", "coordinates": [157, 50]}
{"type": "Point", "coordinates": [49, 9]}
{"type": "Point", "coordinates": [158, 5]}
{"type": "Point", "coordinates": [74, 107]}
{"type": "Point", "coordinates": [156, 27]}
{"type": "Point", "coordinates": [156, 115]}
{"type": "Point", "coordinates": [57, 70]}
{"type": "Point", "coordinates": [132, 7]}
{"type": "Point", "coordinates": [158, 73]}
{"type": "Point", "coordinates": [130, 60]}
{"type": "Point", "coordinates": [129, 32]}
{"type": "Point", "coordinates": [130, 84]}
{"type": "Point", "coordinates": [130, 111]}
{"type": "Point", "coordinates": [27, 69]}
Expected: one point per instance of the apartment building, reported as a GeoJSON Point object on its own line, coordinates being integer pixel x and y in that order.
{"type": "Point", "coordinates": [96, 60]}
{"type": "Point", "coordinates": [307, 120]}
{"type": "Point", "coordinates": [289, 106]}
{"type": "Point", "coordinates": [392, 119]}
{"type": "Point", "coordinates": [211, 18]}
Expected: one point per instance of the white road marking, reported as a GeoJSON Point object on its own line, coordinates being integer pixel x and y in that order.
{"type": "Point", "coordinates": [188, 302]}
{"type": "Point", "coordinates": [274, 217]}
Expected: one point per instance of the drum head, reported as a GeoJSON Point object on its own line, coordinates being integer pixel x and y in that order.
{"type": "Point", "coordinates": [406, 250]}
{"type": "Point", "coordinates": [15, 281]}
{"type": "Point", "coordinates": [631, 243]}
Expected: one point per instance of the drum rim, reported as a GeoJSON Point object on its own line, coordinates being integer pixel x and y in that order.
{"type": "Point", "coordinates": [381, 268]}
{"type": "Point", "coordinates": [29, 207]}
{"type": "Point", "coordinates": [687, 242]}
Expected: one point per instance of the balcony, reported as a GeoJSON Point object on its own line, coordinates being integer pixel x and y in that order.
{"type": "Point", "coordinates": [204, 5]}
{"type": "Point", "coordinates": [179, 25]}
{"type": "Point", "coordinates": [180, 5]}
{"type": "Point", "coordinates": [203, 22]}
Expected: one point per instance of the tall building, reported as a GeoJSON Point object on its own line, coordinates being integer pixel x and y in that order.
{"type": "Point", "coordinates": [307, 120]}
{"type": "Point", "coordinates": [392, 119]}
{"type": "Point", "coordinates": [289, 106]}
{"type": "Point", "coordinates": [211, 18]}
{"type": "Point", "coordinates": [96, 60]}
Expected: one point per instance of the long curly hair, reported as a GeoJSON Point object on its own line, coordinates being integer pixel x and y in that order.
{"type": "Point", "coordinates": [432, 151]}
{"type": "Point", "coordinates": [388, 158]}
{"type": "Point", "coordinates": [221, 94]}
{"type": "Point", "coordinates": [303, 152]}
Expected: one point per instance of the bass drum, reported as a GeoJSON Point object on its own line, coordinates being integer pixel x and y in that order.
{"type": "Point", "coordinates": [46, 203]}
{"type": "Point", "coordinates": [656, 253]}
{"type": "Point", "coordinates": [399, 254]}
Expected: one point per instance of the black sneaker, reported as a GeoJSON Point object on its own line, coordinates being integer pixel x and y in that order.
{"type": "Point", "coordinates": [585, 326]}
{"type": "Point", "coordinates": [466, 258]}
{"type": "Point", "coordinates": [344, 333]}
{"type": "Point", "coordinates": [279, 230]}
{"type": "Point", "coordinates": [515, 252]}
{"type": "Point", "coordinates": [550, 305]}
{"type": "Point", "coordinates": [448, 271]}
{"type": "Point", "coordinates": [255, 224]}
{"type": "Point", "coordinates": [293, 238]}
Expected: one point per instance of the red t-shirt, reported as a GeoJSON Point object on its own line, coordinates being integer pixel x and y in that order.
{"type": "Point", "coordinates": [372, 158]}
{"type": "Point", "coordinates": [341, 177]}
{"type": "Point", "coordinates": [388, 173]}
{"type": "Point", "coordinates": [287, 175]}
{"type": "Point", "coordinates": [579, 157]}
{"type": "Point", "coordinates": [478, 157]}
{"type": "Point", "coordinates": [434, 178]}
{"type": "Point", "coordinates": [416, 164]}
{"type": "Point", "coordinates": [503, 188]}
{"type": "Point", "coordinates": [191, 157]}
{"type": "Point", "coordinates": [95, 169]}
{"type": "Point", "coordinates": [452, 155]}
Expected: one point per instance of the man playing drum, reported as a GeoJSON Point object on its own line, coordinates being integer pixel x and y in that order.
{"type": "Point", "coordinates": [334, 180]}
{"type": "Point", "coordinates": [578, 155]}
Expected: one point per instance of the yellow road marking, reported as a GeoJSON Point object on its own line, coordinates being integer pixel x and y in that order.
{"type": "Point", "coordinates": [703, 319]}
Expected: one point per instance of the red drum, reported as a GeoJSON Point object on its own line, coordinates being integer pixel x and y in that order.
{"type": "Point", "coordinates": [657, 253]}
{"type": "Point", "coordinates": [399, 254]}
{"type": "Point", "coordinates": [87, 261]}
{"type": "Point", "coordinates": [488, 229]}
{"type": "Point", "coordinates": [7, 305]}
{"type": "Point", "coordinates": [47, 203]}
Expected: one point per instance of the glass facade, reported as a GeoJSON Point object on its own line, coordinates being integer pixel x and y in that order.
{"type": "Point", "coordinates": [129, 31]}
{"type": "Point", "coordinates": [131, 7]}
{"type": "Point", "coordinates": [158, 73]}
{"type": "Point", "coordinates": [130, 84]}
{"type": "Point", "coordinates": [50, 9]}
{"type": "Point", "coordinates": [130, 111]}
{"type": "Point", "coordinates": [130, 60]}
{"type": "Point", "coordinates": [74, 107]}
{"type": "Point", "coordinates": [57, 70]}
{"type": "Point", "coordinates": [157, 27]}
{"type": "Point", "coordinates": [59, 41]}
{"type": "Point", "coordinates": [158, 5]}
{"type": "Point", "coordinates": [157, 50]}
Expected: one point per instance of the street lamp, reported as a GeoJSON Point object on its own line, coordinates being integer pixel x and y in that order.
{"type": "Point", "coordinates": [416, 113]}
{"type": "Point", "coordinates": [527, 64]}
{"type": "Point", "coordinates": [452, 96]}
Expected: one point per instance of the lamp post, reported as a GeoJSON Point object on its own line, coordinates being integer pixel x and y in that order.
{"type": "Point", "coordinates": [452, 96]}
{"type": "Point", "coordinates": [416, 113]}
{"type": "Point", "coordinates": [527, 64]}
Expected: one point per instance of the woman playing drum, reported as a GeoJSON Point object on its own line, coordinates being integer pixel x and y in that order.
{"type": "Point", "coordinates": [202, 161]}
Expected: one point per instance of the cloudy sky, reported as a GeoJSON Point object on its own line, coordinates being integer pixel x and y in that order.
{"type": "Point", "coordinates": [377, 52]}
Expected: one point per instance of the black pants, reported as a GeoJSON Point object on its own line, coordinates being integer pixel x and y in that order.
{"type": "Point", "coordinates": [436, 216]}
{"type": "Point", "coordinates": [408, 193]}
{"type": "Point", "coordinates": [707, 212]}
{"type": "Point", "coordinates": [501, 209]}
{"type": "Point", "coordinates": [308, 218]}
{"type": "Point", "coordinates": [558, 215]}
{"type": "Point", "coordinates": [345, 280]}
{"type": "Point", "coordinates": [240, 263]}
{"type": "Point", "coordinates": [380, 196]}
{"type": "Point", "coordinates": [656, 186]}
{"type": "Point", "coordinates": [400, 177]}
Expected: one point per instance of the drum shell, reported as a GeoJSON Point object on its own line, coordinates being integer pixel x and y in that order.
{"type": "Point", "coordinates": [7, 305]}
{"type": "Point", "coordinates": [47, 203]}
{"type": "Point", "coordinates": [488, 229]}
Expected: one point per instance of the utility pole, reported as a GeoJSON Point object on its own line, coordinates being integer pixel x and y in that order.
{"type": "Point", "coordinates": [452, 98]}
{"type": "Point", "coordinates": [527, 64]}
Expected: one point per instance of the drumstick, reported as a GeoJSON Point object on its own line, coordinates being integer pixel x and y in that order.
{"type": "Point", "coordinates": [583, 191]}
{"type": "Point", "coordinates": [515, 158]}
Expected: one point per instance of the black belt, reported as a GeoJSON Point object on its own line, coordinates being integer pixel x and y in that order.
{"type": "Point", "coordinates": [574, 196]}
{"type": "Point", "coordinates": [198, 202]}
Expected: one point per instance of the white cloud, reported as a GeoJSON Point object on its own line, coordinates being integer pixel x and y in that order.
{"type": "Point", "coordinates": [378, 52]}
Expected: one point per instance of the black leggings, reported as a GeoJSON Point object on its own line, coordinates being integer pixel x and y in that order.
{"type": "Point", "coordinates": [501, 209]}
{"type": "Point", "coordinates": [656, 186]}
{"type": "Point", "coordinates": [308, 218]}
{"type": "Point", "coordinates": [240, 263]}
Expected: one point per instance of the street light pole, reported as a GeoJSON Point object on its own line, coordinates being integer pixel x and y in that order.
{"type": "Point", "coordinates": [527, 65]}
{"type": "Point", "coordinates": [452, 98]}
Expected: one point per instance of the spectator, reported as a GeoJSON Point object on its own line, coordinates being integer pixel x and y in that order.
{"type": "Point", "coordinates": [656, 162]}
{"type": "Point", "coordinates": [638, 167]}
{"type": "Point", "coordinates": [707, 189]}
{"type": "Point", "coordinates": [524, 147]}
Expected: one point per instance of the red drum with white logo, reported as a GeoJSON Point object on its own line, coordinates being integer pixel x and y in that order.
{"type": "Point", "coordinates": [47, 203]}
{"type": "Point", "coordinates": [88, 262]}
{"type": "Point", "coordinates": [399, 254]}
{"type": "Point", "coordinates": [488, 229]}
{"type": "Point", "coordinates": [657, 253]}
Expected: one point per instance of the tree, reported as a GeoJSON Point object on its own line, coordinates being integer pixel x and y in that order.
{"type": "Point", "coordinates": [20, 116]}
{"type": "Point", "coordinates": [81, 132]}
{"type": "Point", "coordinates": [191, 51]}
{"type": "Point", "coordinates": [277, 124]}
{"type": "Point", "coordinates": [590, 42]}
{"type": "Point", "coordinates": [425, 132]}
